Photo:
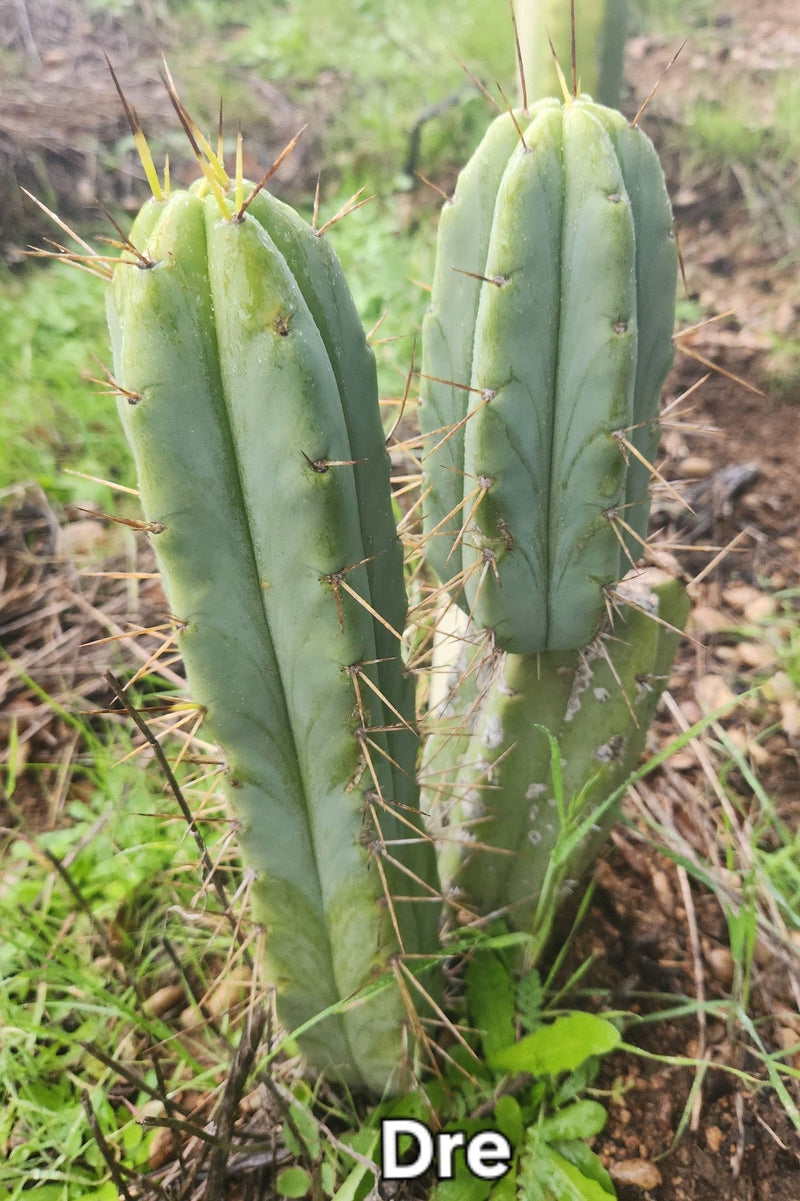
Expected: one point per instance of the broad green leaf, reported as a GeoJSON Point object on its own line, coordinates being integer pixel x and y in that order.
{"type": "Point", "coordinates": [582, 1120]}
{"type": "Point", "coordinates": [505, 1189]}
{"type": "Point", "coordinates": [306, 1126]}
{"type": "Point", "coordinates": [587, 1162]}
{"type": "Point", "coordinates": [547, 1176]}
{"type": "Point", "coordinates": [463, 1187]}
{"type": "Point", "coordinates": [490, 1000]}
{"type": "Point", "coordinates": [508, 1119]}
{"type": "Point", "coordinates": [328, 1177]}
{"type": "Point", "coordinates": [560, 1046]}
{"type": "Point", "coordinates": [106, 1192]}
{"type": "Point", "coordinates": [410, 1106]}
{"type": "Point", "coordinates": [575, 1084]}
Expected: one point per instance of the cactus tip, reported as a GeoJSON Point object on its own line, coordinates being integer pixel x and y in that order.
{"type": "Point", "coordinates": [125, 243]}
{"type": "Point", "coordinates": [208, 160]}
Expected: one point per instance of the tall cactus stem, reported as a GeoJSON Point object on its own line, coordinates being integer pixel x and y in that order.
{"type": "Point", "coordinates": [543, 351]}
{"type": "Point", "coordinates": [261, 456]}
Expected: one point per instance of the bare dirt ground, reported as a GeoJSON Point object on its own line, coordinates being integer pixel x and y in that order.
{"type": "Point", "coordinates": [646, 933]}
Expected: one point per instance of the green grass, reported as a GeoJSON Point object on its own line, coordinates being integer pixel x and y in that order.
{"type": "Point", "coordinates": [78, 956]}
{"type": "Point", "coordinates": [783, 370]}
{"type": "Point", "coordinates": [670, 16]}
{"type": "Point", "coordinates": [749, 128]}
{"type": "Point", "coordinates": [51, 325]}
{"type": "Point", "coordinates": [753, 867]}
{"type": "Point", "coordinates": [755, 121]}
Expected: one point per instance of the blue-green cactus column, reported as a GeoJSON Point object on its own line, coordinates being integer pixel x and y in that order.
{"type": "Point", "coordinates": [544, 359]}
{"type": "Point", "coordinates": [261, 460]}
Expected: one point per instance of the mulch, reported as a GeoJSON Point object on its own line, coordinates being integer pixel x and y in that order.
{"type": "Point", "coordinates": [61, 628]}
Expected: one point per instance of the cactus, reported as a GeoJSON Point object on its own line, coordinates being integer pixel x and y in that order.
{"type": "Point", "coordinates": [250, 402]}
{"type": "Point", "coordinates": [544, 362]}
{"type": "Point", "coordinates": [509, 832]}
{"type": "Point", "coordinates": [601, 32]}
{"type": "Point", "coordinates": [249, 397]}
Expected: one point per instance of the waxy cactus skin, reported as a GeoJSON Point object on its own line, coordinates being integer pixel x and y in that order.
{"type": "Point", "coordinates": [244, 399]}
{"type": "Point", "coordinates": [547, 356]}
{"type": "Point", "coordinates": [500, 822]}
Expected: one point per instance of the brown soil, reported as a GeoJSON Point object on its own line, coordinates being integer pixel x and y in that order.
{"type": "Point", "coordinates": [646, 934]}
{"type": "Point", "coordinates": [738, 1143]}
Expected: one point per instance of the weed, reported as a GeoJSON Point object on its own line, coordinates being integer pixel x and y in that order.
{"type": "Point", "coordinates": [87, 910]}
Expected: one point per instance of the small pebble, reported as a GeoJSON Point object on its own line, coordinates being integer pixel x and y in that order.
{"type": "Point", "coordinates": [639, 1172]}
{"type": "Point", "coordinates": [696, 467]}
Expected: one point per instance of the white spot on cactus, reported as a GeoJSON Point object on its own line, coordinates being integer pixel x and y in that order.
{"type": "Point", "coordinates": [472, 807]}
{"type": "Point", "coordinates": [493, 734]}
{"type": "Point", "coordinates": [485, 769]}
{"type": "Point", "coordinates": [611, 751]}
{"type": "Point", "coordinates": [535, 837]}
{"type": "Point", "coordinates": [601, 695]}
{"type": "Point", "coordinates": [582, 680]}
{"type": "Point", "coordinates": [641, 596]}
{"type": "Point", "coordinates": [534, 791]}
